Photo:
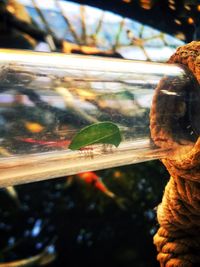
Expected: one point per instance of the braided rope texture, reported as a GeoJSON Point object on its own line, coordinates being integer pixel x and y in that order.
{"type": "Point", "coordinates": [178, 238]}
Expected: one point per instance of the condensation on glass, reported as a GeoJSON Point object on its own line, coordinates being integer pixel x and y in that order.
{"type": "Point", "coordinates": [45, 99]}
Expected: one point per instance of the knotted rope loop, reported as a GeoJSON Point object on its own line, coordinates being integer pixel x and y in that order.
{"type": "Point", "coordinates": [175, 123]}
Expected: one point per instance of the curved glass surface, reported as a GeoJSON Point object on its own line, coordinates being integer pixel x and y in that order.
{"type": "Point", "coordinates": [46, 99]}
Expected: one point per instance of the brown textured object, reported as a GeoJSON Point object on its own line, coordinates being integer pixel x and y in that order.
{"type": "Point", "coordinates": [178, 238]}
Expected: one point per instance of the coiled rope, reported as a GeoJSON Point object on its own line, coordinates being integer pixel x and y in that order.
{"type": "Point", "coordinates": [178, 238]}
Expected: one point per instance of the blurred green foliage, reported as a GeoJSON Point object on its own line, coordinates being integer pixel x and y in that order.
{"type": "Point", "coordinates": [88, 226]}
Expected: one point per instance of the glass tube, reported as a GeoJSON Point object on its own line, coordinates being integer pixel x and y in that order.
{"type": "Point", "coordinates": [46, 99]}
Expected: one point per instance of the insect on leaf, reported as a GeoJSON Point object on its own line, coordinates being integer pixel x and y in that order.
{"type": "Point", "coordinates": [97, 133]}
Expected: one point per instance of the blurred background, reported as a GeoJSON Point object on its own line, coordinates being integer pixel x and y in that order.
{"type": "Point", "coordinates": [96, 218]}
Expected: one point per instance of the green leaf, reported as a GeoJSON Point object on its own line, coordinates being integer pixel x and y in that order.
{"type": "Point", "coordinates": [97, 133]}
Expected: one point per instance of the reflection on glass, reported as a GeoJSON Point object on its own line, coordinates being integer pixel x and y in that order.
{"type": "Point", "coordinates": [46, 99]}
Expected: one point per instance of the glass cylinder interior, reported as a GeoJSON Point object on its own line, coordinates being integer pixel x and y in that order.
{"type": "Point", "coordinates": [47, 99]}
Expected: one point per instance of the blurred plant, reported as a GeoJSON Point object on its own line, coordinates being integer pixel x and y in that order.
{"type": "Point", "coordinates": [86, 221]}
